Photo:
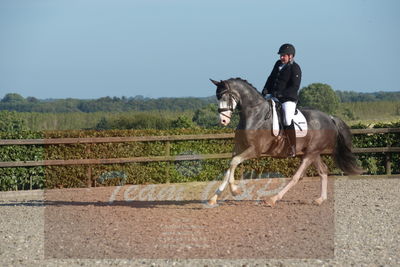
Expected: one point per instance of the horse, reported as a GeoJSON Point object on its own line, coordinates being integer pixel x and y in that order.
{"type": "Point", "coordinates": [254, 138]}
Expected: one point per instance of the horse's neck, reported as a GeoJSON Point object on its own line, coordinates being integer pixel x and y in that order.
{"type": "Point", "coordinates": [249, 97]}
{"type": "Point", "coordinates": [254, 108]}
{"type": "Point", "coordinates": [256, 116]}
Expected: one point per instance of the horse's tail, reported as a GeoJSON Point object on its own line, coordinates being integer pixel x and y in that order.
{"type": "Point", "coordinates": [342, 154]}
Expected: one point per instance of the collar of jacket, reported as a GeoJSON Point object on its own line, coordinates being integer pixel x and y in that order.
{"type": "Point", "coordinates": [287, 64]}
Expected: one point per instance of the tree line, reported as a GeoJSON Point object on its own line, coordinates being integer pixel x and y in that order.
{"type": "Point", "coordinates": [350, 96]}
{"type": "Point", "coordinates": [16, 102]}
{"type": "Point", "coordinates": [168, 113]}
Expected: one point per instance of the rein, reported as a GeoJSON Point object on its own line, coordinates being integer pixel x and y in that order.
{"type": "Point", "coordinates": [268, 114]}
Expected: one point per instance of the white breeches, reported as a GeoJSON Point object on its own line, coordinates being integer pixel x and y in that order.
{"type": "Point", "coordinates": [289, 108]}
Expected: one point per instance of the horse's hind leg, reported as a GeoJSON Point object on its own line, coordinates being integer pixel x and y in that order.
{"type": "Point", "coordinates": [323, 173]}
{"type": "Point", "coordinates": [307, 160]}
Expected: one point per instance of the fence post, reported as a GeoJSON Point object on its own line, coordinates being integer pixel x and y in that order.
{"type": "Point", "coordinates": [167, 148]}
{"type": "Point", "coordinates": [388, 163]}
{"type": "Point", "coordinates": [89, 176]}
{"type": "Point", "coordinates": [89, 171]}
{"type": "Point", "coordinates": [168, 153]}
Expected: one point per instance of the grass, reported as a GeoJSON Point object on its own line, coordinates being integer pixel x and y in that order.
{"type": "Point", "coordinates": [352, 113]}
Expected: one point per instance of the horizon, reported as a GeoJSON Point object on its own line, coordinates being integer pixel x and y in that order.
{"type": "Point", "coordinates": [141, 97]}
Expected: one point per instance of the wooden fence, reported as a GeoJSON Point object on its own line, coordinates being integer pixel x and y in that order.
{"type": "Point", "coordinates": [388, 151]}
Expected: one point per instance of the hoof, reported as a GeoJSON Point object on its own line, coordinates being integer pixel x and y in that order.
{"type": "Point", "coordinates": [213, 201]}
{"type": "Point", "coordinates": [236, 192]}
{"type": "Point", "coordinates": [318, 201]}
{"type": "Point", "coordinates": [270, 202]}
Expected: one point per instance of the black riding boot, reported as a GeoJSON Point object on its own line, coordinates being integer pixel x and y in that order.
{"type": "Point", "coordinates": [291, 137]}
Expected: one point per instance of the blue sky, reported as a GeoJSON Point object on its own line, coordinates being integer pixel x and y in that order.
{"type": "Point", "coordinates": [170, 48]}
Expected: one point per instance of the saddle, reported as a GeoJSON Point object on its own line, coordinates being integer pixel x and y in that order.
{"type": "Point", "coordinates": [300, 122]}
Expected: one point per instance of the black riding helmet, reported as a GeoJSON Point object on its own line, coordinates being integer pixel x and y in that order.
{"type": "Point", "coordinates": [287, 49]}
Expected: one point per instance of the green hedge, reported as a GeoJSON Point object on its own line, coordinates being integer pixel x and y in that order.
{"type": "Point", "coordinates": [135, 173]}
{"type": "Point", "coordinates": [374, 163]}
{"type": "Point", "coordinates": [157, 172]}
{"type": "Point", "coordinates": [21, 178]}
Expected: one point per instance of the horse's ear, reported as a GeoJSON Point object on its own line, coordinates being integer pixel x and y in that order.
{"type": "Point", "coordinates": [215, 82]}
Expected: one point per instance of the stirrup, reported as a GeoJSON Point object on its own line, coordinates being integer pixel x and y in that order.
{"type": "Point", "coordinates": [291, 151]}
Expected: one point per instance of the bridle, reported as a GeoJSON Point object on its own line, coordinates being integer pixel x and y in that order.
{"type": "Point", "coordinates": [232, 97]}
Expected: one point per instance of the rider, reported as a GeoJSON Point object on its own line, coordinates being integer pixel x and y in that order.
{"type": "Point", "coordinates": [283, 83]}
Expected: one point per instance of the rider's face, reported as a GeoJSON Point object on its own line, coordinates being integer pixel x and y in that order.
{"type": "Point", "coordinates": [285, 58]}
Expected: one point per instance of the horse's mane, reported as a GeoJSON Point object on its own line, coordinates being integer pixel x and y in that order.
{"type": "Point", "coordinates": [238, 79]}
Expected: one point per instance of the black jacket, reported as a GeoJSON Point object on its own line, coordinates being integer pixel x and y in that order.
{"type": "Point", "coordinates": [284, 84]}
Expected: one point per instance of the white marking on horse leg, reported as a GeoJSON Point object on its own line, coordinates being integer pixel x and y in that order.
{"type": "Point", "coordinates": [296, 177]}
{"type": "Point", "coordinates": [234, 163]}
{"type": "Point", "coordinates": [324, 185]}
{"type": "Point", "coordinates": [247, 154]}
{"type": "Point", "coordinates": [234, 188]}
{"type": "Point", "coordinates": [323, 173]}
{"type": "Point", "coordinates": [230, 174]}
{"type": "Point", "coordinates": [213, 200]}
{"type": "Point", "coordinates": [221, 188]}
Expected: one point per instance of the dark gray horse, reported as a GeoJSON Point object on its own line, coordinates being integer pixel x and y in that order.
{"type": "Point", "coordinates": [254, 137]}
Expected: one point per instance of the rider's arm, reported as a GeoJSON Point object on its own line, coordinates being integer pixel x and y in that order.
{"type": "Point", "coordinates": [269, 84]}
{"type": "Point", "coordinates": [295, 81]}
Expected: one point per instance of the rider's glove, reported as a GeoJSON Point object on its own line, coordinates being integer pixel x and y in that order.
{"type": "Point", "coordinates": [268, 96]}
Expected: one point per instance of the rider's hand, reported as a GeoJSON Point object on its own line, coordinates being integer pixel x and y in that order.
{"type": "Point", "coordinates": [268, 96]}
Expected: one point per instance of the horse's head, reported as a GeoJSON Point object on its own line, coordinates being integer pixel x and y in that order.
{"type": "Point", "coordinates": [227, 101]}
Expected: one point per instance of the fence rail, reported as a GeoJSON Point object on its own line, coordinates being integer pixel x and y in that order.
{"type": "Point", "coordinates": [93, 140]}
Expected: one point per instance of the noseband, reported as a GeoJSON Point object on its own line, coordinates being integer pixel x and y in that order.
{"type": "Point", "coordinates": [232, 97]}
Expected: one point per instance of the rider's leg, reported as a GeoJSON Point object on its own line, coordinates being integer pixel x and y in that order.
{"type": "Point", "coordinates": [289, 109]}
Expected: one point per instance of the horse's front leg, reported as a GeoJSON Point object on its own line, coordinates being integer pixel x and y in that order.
{"type": "Point", "coordinates": [230, 175]}
{"type": "Point", "coordinates": [234, 163]}
{"type": "Point", "coordinates": [221, 188]}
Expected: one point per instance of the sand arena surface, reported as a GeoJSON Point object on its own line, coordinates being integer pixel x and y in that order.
{"type": "Point", "coordinates": [173, 221]}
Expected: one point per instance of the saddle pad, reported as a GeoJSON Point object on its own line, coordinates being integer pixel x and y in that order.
{"type": "Point", "coordinates": [300, 122]}
{"type": "Point", "coordinates": [275, 122]}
